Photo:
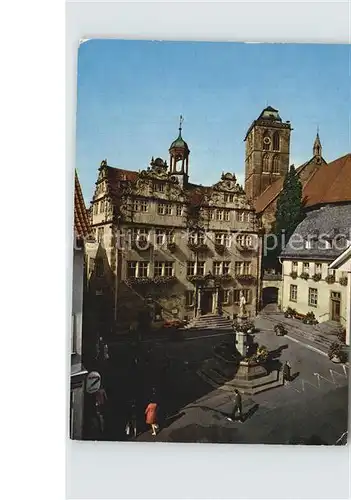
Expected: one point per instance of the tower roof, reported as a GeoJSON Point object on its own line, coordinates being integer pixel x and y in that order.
{"type": "Point", "coordinates": [179, 143]}
{"type": "Point", "coordinates": [270, 113]}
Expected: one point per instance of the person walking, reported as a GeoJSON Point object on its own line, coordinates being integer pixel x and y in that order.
{"type": "Point", "coordinates": [151, 415]}
{"type": "Point", "coordinates": [286, 372]}
{"type": "Point", "coordinates": [237, 407]}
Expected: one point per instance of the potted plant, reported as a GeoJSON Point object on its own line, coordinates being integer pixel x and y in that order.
{"type": "Point", "coordinates": [293, 275]}
{"type": "Point", "coordinates": [304, 276]}
{"type": "Point", "coordinates": [310, 319]}
{"type": "Point", "coordinates": [317, 277]}
{"type": "Point", "coordinates": [343, 280]}
{"type": "Point", "coordinates": [335, 353]}
{"type": "Point", "coordinates": [330, 279]}
{"type": "Point", "coordinates": [290, 313]}
{"type": "Point", "coordinates": [280, 329]}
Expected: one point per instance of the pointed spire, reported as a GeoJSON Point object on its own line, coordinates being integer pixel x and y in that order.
{"type": "Point", "coordinates": [317, 145]}
{"type": "Point", "coordinates": [181, 119]}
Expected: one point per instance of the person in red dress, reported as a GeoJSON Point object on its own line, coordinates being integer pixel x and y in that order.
{"type": "Point", "coordinates": [151, 416]}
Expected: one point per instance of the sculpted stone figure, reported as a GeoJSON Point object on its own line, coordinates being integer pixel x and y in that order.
{"type": "Point", "coordinates": [242, 304]}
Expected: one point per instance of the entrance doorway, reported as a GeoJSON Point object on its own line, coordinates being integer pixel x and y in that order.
{"type": "Point", "coordinates": [335, 298]}
{"type": "Point", "coordinates": [269, 295]}
{"type": "Point", "coordinates": [206, 302]}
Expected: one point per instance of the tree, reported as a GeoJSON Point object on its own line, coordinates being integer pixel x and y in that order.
{"type": "Point", "coordinates": [289, 214]}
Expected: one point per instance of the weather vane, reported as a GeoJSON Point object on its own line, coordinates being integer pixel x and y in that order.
{"type": "Point", "coordinates": [181, 119]}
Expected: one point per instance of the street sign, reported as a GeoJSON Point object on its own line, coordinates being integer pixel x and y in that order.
{"type": "Point", "coordinates": [93, 382]}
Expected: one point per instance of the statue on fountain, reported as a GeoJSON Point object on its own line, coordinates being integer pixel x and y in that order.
{"type": "Point", "coordinates": [242, 306]}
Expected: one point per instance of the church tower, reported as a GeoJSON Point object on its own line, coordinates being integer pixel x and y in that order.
{"type": "Point", "coordinates": [267, 152]}
{"type": "Point", "coordinates": [317, 148]}
{"type": "Point", "coordinates": [179, 157]}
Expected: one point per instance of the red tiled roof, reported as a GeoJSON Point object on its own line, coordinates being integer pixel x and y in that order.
{"type": "Point", "coordinates": [81, 218]}
{"type": "Point", "coordinates": [330, 184]}
{"type": "Point", "coordinates": [274, 190]}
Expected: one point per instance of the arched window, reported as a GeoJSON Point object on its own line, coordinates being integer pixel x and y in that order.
{"type": "Point", "coordinates": [266, 141]}
{"type": "Point", "coordinates": [275, 167]}
{"type": "Point", "coordinates": [265, 163]}
{"type": "Point", "coordinates": [276, 141]}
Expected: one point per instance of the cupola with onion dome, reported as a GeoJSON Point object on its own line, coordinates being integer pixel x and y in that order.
{"type": "Point", "coordinates": [179, 156]}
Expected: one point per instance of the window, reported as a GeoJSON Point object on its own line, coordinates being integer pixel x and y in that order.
{"type": "Point", "coordinates": [225, 267]}
{"type": "Point", "coordinates": [231, 198]}
{"type": "Point", "coordinates": [168, 269]}
{"type": "Point", "coordinates": [219, 239]}
{"type": "Point", "coordinates": [137, 269]}
{"type": "Point", "coordinates": [226, 215]}
{"type": "Point", "coordinates": [211, 214]}
{"type": "Point", "coordinates": [238, 267]}
{"type": "Point", "coordinates": [294, 266]}
{"type": "Point", "coordinates": [96, 208]}
{"type": "Point", "coordinates": [220, 214]}
{"type": "Point", "coordinates": [190, 268]}
{"type": "Point", "coordinates": [200, 238]}
{"type": "Point", "coordinates": [242, 216]}
{"type": "Point", "coordinates": [312, 297]}
{"type": "Point", "coordinates": [132, 269]}
{"type": "Point", "coordinates": [143, 269]}
{"type": "Point", "coordinates": [192, 239]}
{"type": "Point", "coordinates": [158, 268]}
{"type": "Point", "coordinates": [306, 267]}
{"type": "Point", "coordinates": [169, 236]}
{"type": "Point", "coordinates": [160, 236]}
{"type": "Point", "coordinates": [140, 236]}
{"type": "Point", "coordinates": [226, 296]}
{"type": "Point", "coordinates": [293, 293]}
{"type": "Point", "coordinates": [227, 240]}
{"type": "Point", "coordinates": [226, 198]}
{"type": "Point", "coordinates": [318, 268]}
{"type": "Point", "coordinates": [248, 241]}
{"type": "Point", "coordinates": [189, 297]}
{"type": "Point", "coordinates": [102, 207]}
{"type": "Point", "coordinates": [159, 186]}
{"type": "Point", "coordinates": [164, 209]}
{"type": "Point", "coordinates": [240, 240]}
{"type": "Point", "coordinates": [331, 272]}
{"type": "Point", "coordinates": [99, 267]}
{"type": "Point", "coordinates": [308, 244]}
{"type": "Point", "coordinates": [275, 167]}
{"type": "Point", "coordinates": [144, 206]}
{"type": "Point", "coordinates": [217, 268]}
{"type": "Point", "coordinates": [200, 268]}
{"type": "Point", "coordinates": [179, 210]}
{"type": "Point", "coordinates": [276, 141]}
{"type": "Point", "coordinates": [100, 234]}
{"type": "Point", "coordinates": [107, 206]}
{"type": "Point", "coordinates": [163, 269]}
{"type": "Point", "coordinates": [265, 163]}
{"type": "Point", "coordinates": [247, 268]}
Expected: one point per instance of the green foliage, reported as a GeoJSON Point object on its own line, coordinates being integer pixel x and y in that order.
{"type": "Point", "coordinates": [289, 212]}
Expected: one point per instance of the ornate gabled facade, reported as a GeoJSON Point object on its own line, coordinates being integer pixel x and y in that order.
{"type": "Point", "coordinates": [179, 248]}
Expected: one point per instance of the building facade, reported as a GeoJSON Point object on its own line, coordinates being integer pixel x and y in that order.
{"type": "Point", "coordinates": [309, 283]}
{"type": "Point", "coordinates": [173, 247]}
{"type": "Point", "coordinates": [343, 264]}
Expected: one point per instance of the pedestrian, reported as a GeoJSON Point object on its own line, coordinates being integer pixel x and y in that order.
{"type": "Point", "coordinates": [286, 372]}
{"type": "Point", "coordinates": [151, 415]}
{"type": "Point", "coordinates": [131, 427]}
{"type": "Point", "coordinates": [237, 407]}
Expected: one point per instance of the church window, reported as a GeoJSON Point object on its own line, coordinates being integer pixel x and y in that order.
{"type": "Point", "coordinates": [265, 163]}
{"type": "Point", "coordinates": [275, 168]}
{"type": "Point", "coordinates": [276, 141]}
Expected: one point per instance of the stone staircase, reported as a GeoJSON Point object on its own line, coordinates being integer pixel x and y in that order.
{"type": "Point", "coordinates": [211, 322]}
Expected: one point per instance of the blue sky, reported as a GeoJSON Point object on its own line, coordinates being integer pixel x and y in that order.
{"type": "Point", "coordinates": [131, 93]}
